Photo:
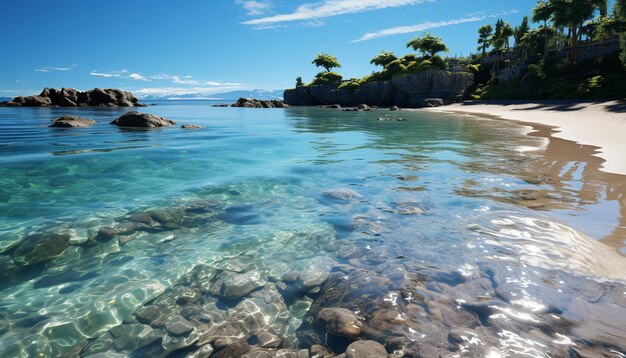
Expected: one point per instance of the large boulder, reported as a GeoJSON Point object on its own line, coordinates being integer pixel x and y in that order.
{"type": "Point", "coordinates": [40, 248]}
{"type": "Point", "coordinates": [100, 97]}
{"type": "Point", "coordinates": [143, 120]}
{"type": "Point", "coordinates": [72, 122]}
{"type": "Point", "coordinates": [33, 101]}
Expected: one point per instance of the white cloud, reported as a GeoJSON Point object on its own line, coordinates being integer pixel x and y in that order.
{"type": "Point", "coordinates": [203, 87]}
{"type": "Point", "coordinates": [429, 25]}
{"type": "Point", "coordinates": [51, 69]}
{"type": "Point", "coordinates": [100, 74]}
{"type": "Point", "coordinates": [138, 77]}
{"type": "Point", "coordinates": [329, 8]}
{"type": "Point", "coordinates": [255, 8]}
{"type": "Point", "coordinates": [185, 80]}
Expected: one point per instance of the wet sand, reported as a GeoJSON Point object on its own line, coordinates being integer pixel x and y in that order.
{"type": "Point", "coordinates": [585, 140]}
{"type": "Point", "coordinates": [601, 124]}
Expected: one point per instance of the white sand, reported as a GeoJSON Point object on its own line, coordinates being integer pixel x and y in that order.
{"type": "Point", "coordinates": [597, 123]}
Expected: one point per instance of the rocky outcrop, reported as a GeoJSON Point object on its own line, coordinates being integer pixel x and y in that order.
{"type": "Point", "coordinates": [69, 97]}
{"type": "Point", "coordinates": [72, 122]}
{"type": "Point", "coordinates": [258, 103]}
{"type": "Point", "coordinates": [142, 120]}
{"type": "Point", "coordinates": [408, 91]}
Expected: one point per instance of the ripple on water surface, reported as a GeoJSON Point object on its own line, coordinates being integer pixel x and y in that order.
{"type": "Point", "coordinates": [281, 231]}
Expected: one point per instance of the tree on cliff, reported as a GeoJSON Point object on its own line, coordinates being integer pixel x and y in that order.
{"type": "Point", "coordinates": [299, 82]}
{"type": "Point", "coordinates": [326, 61]}
{"type": "Point", "coordinates": [543, 13]}
{"type": "Point", "coordinates": [521, 31]}
{"type": "Point", "coordinates": [484, 39]}
{"type": "Point", "coordinates": [500, 41]}
{"type": "Point", "coordinates": [384, 58]}
{"type": "Point", "coordinates": [427, 44]}
{"type": "Point", "coordinates": [620, 12]}
{"type": "Point", "coordinates": [573, 14]}
{"type": "Point", "coordinates": [501, 35]}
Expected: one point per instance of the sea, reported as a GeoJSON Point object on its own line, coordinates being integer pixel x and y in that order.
{"type": "Point", "coordinates": [303, 230]}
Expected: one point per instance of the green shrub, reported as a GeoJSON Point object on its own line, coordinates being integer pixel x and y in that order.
{"type": "Point", "coordinates": [353, 84]}
{"type": "Point", "coordinates": [326, 78]}
{"type": "Point", "coordinates": [408, 59]}
{"type": "Point", "coordinates": [413, 67]}
{"type": "Point", "coordinates": [377, 76]}
{"type": "Point", "coordinates": [473, 68]}
{"type": "Point", "coordinates": [395, 67]}
{"type": "Point", "coordinates": [438, 62]}
{"type": "Point", "coordinates": [425, 65]}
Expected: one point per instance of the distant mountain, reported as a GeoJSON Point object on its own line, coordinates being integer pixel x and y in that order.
{"type": "Point", "coordinates": [6, 99]}
{"type": "Point", "coordinates": [226, 96]}
{"type": "Point", "coordinates": [257, 94]}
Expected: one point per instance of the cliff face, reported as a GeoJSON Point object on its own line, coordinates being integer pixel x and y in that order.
{"type": "Point", "coordinates": [409, 91]}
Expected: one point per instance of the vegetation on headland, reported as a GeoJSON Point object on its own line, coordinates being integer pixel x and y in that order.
{"type": "Point", "coordinates": [558, 51]}
{"type": "Point", "coordinates": [561, 58]}
{"type": "Point", "coordinates": [427, 47]}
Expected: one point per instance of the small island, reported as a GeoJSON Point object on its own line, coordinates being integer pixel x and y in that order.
{"type": "Point", "coordinates": [69, 97]}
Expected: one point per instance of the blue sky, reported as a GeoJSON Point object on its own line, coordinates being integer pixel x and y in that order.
{"type": "Point", "coordinates": [210, 46]}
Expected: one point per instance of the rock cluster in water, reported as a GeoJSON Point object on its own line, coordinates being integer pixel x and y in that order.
{"type": "Point", "coordinates": [69, 97]}
{"type": "Point", "coordinates": [259, 103]}
{"type": "Point", "coordinates": [372, 298]}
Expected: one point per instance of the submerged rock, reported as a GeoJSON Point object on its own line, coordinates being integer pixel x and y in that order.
{"type": "Point", "coordinates": [178, 325]}
{"type": "Point", "coordinates": [143, 120]}
{"type": "Point", "coordinates": [347, 195]}
{"type": "Point", "coordinates": [40, 248]}
{"type": "Point", "coordinates": [340, 322]}
{"type": "Point", "coordinates": [204, 352]}
{"type": "Point", "coordinates": [191, 126]}
{"type": "Point", "coordinates": [369, 349]}
{"type": "Point", "coordinates": [238, 285]}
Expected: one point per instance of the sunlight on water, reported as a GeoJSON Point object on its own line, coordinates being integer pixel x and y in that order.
{"type": "Point", "coordinates": [166, 242]}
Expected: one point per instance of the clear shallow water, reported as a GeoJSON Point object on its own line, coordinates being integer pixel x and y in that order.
{"type": "Point", "coordinates": [432, 231]}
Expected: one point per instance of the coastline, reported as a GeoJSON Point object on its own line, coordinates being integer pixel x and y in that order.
{"type": "Point", "coordinates": [601, 124]}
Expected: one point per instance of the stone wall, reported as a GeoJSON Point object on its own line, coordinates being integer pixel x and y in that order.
{"type": "Point", "coordinates": [408, 91]}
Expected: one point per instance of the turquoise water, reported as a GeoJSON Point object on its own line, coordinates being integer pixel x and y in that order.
{"type": "Point", "coordinates": [428, 206]}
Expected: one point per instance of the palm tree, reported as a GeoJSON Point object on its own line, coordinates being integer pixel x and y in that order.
{"type": "Point", "coordinates": [484, 39]}
{"type": "Point", "coordinates": [543, 13]}
{"type": "Point", "coordinates": [620, 12]}
{"type": "Point", "coordinates": [500, 40]}
{"type": "Point", "coordinates": [573, 14]}
{"type": "Point", "coordinates": [521, 31]}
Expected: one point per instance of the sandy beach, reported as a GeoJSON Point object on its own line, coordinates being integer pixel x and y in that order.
{"type": "Point", "coordinates": [600, 124]}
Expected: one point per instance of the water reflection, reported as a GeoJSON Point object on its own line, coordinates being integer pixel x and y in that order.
{"type": "Point", "coordinates": [499, 162]}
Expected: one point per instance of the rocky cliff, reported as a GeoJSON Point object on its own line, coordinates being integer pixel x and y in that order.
{"type": "Point", "coordinates": [408, 91]}
{"type": "Point", "coordinates": [69, 97]}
